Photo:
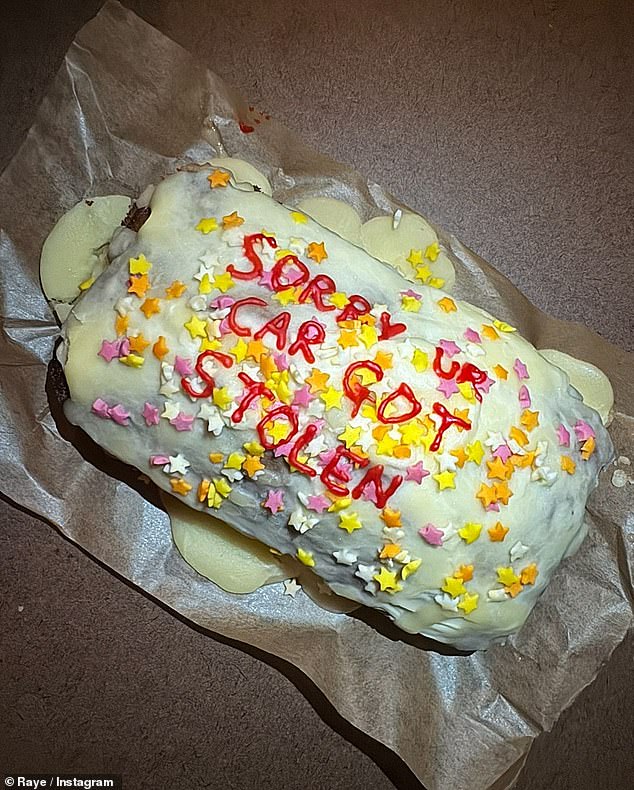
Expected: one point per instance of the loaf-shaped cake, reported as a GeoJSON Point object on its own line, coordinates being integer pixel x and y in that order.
{"type": "Point", "coordinates": [416, 452]}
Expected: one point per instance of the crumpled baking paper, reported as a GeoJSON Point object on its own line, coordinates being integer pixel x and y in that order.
{"type": "Point", "coordinates": [112, 123]}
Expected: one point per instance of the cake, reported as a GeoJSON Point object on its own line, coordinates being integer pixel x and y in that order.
{"type": "Point", "coordinates": [415, 452]}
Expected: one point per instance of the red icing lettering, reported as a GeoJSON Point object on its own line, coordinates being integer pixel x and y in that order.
{"type": "Point", "coordinates": [471, 373]}
{"type": "Point", "coordinates": [402, 391]}
{"type": "Point", "coordinates": [389, 330]}
{"type": "Point", "coordinates": [277, 326]}
{"type": "Point", "coordinates": [357, 305]}
{"type": "Point", "coordinates": [317, 288]}
{"type": "Point", "coordinates": [235, 327]}
{"type": "Point", "coordinates": [280, 278]}
{"type": "Point", "coordinates": [446, 420]}
{"type": "Point", "coordinates": [374, 477]}
{"type": "Point", "coordinates": [254, 389]}
{"type": "Point", "coordinates": [354, 390]}
{"type": "Point", "coordinates": [301, 442]}
{"type": "Point", "coordinates": [248, 248]}
{"type": "Point", "coordinates": [437, 365]}
{"type": "Point", "coordinates": [331, 475]}
{"type": "Point", "coordinates": [310, 333]}
{"type": "Point", "coordinates": [224, 360]}
{"type": "Point", "coordinates": [281, 411]}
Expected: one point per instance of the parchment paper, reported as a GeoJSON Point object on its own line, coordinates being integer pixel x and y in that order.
{"type": "Point", "coordinates": [113, 122]}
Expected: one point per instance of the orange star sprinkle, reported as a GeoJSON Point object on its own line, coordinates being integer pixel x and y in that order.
{"type": "Point", "coordinates": [499, 469]}
{"type": "Point", "coordinates": [218, 178]}
{"type": "Point", "coordinates": [489, 332]}
{"type": "Point", "coordinates": [267, 366]}
{"type": "Point", "coordinates": [402, 451]}
{"type": "Point", "coordinates": [500, 372]}
{"type": "Point", "coordinates": [464, 572]}
{"type": "Point", "coordinates": [348, 338]}
{"type": "Point", "coordinates": [180, 485]}
{"type": "Point", "coordinates": [216, 458]}
{"type": "Point", "coordinates": [252, 465]}
{"type": "Point", "coordinates": [317, 381]}
{"type": "Point", "coordinates": [523, 461]}
{"type": "Point", "coordinates": [529, 574]}
{"type": "Point", "coordinates": [139, 285]}
{"type": "Point", "coordinates": [150, 307]}
{"type": "Point", "coordinates": [316, 252]}
{"type": "Point", "coordinates": [391, 518]}
{"type": "Point", "coordinates": [567, 464]}
{"type": "Point", "coordinates": [503, 493]}
{"type": "Point", "coordinates": [519, 436]}
{"type": "Point", "coordinates": [587, 448]}
{"type": "Point", "coordinates": [121, 324]}
{"type": "Point", "coordinates": [160, 349]}
{"type": "Point", "coordinates": [529, 419]}
{"type": "Point", "coordinates": [203, 489]}
{"type": "Point", "coordinates": [514, 589]}
{"type": "Point", "coordinates": [138, 344]}
{"type": "Point", "coordinates": [487, 495]}
{"type": "Point", "coordinates": [447, 305]}
{"type": "Point", "coordinates": [389, 551]}
{"type": "Point", "coordinates": [498, 532]}
{"type": "Point", "coordinates": [256, 349]}
{"type": "Point", "coordinates": [176, 289]}
{"type": "Point", "coordinates": [460, 456]}
{"type": "Point", "coordinates": [383, 359]}
{"type": "Point", "coordinates": [463, 414]}
{"type": "Point", "coordinates": [233, 220]}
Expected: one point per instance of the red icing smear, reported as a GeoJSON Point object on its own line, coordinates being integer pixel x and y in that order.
{"type": "Point", "coordinates": [389, 330]}
{"type": "Point", "coordinates": [474, 375]}
{"type": "Point", "coordinates": [277, 326]}
{"type": "Point", "coordinates": [301, 442]}
{"type": "Point", "coordinates": [357, 306]}
{"type": "Point", "coordinates": [447, 420]}
{"type": "Point", "coordinates": [224, 360]}
{"type": "Point", "coordinates": [281, 411]}
{"type": "Point", "coordinates": [254, 389]}
{"type": "Point", "coordinates": [245, 128]}
{"type": "Point", "coordinates": [309, 333]}
{"type": "Point", "coordinates": [374, 477]}
{"type": "Point", "coordinates": [454, 367]}
{"type": "Point", "coordinates": [235, 327]}
{"type": "Point", "coordinates": [251, 255]}
{"type": "Point", "coordinates": [279, 272]}
{"type": "Point", "coordinates": [331, 475]}
{"type": "Point", "coordinates": [317, 288]}
{"type": "Point", "coordinates": [355, 391]}
{"type": "Point", "coordinates": [402, 391]}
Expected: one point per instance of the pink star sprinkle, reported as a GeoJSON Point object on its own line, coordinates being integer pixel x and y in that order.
{"type": "Point", "coordinates": [503, 452]}
{"type": "Point", "coordinates": [274, 501]}
{"type": "Point", "coordinates": [124, 348]}
{"type": "Point", "coordinates": [222, 302]}
{"type": "Point", "coordinates": [416, 473]}
{"type": "Point", "coordinates": [150, 414]}
{"type": "Point", "coordinates": [472, 336]}
{"type": "Point", "coordinates": [583, 430]}
{"type": "Point", "coordinates": [159, 460]}
{"type": "Point", "coordinates": [432, 535]}
{"type": "Point", "coordinates": [101, 409]}
{"type": "Point", "coordinates": [182, 421]}
{"type": "Point", "coordinates": [450, 348]}
{"type": "Point", "coordinates": [409, 292]}
{"type": "Point", "coordinates": [119, 414]}
{"type": "Point", "coordinates": [283, 449]}
{"type": "Point", "coordinates": [183, 366]}
{"type": "Point", "coordinates": [281, 361]}
{"type": "Point", "coordinates": [265, 279]}
{"type": "Point", "coordinates": [448, 387]}
{"type": "Point", "coordinates": [302, 396]}
{"type": "Point", "coordinates": [493, 507]}
{"type": "Point", "coordinates": [318, 503]}
{"type": "Point", "coordinates": [109, 349]}
{"type": "Point", "coordinates": [520, 368]}
{"type": "Point", "coordinates": [563, 436]}
{"type": "Point", "coordinates": [485, 386]}
{"type": "Point", "coordinates": [524, 397]}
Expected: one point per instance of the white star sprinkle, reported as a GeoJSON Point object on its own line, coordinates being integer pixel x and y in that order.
{"type": "Point", "coordinates": [518, 550]}
{"type": "Point", "coordinates": [345, 557]}
{"type": "Point", "coordinates": [171, 410]}
{"type": "Point", "coordinates": [446, 602]}
{"type": "Point", "coordinates": [178, 465]}
{"type": "Point", "coordinates": [291, 587]}
{"type": "Point", "coordinates": [168, 389]}
{"type": "Point", "coordinates": [210, 413]}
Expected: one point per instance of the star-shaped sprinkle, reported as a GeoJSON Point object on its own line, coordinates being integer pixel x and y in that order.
{"type": "Point", "coordinates": [445, 480]}
{"type": "Point", "coordinates": [150, 307]}
{"type": "Point", "coordinates": [119, 414]}
{"type": "Point", "coordinates": [447, 305]}
{"type": "Point", "coordinates": [182, 421]}
{"type": "Point", "coordinates": [486, 494]}
{"type": "Point", "coordinates": [306, 558]}
{"type": "Point", "coordinates": [472, 336]}
{"type": "Point", "coordinates": [583, 431]}
{"type": "Point", "coordinates": [150, 414]}
{"type": "Point", "coordinates": [302, 396]}
{"type": "Point", "coordinates": [218, 178]}
{"type": "Point", "coordinates": [391, 518]}
{"type": "Point", "coordinates": [503, 493]}
{"type": "Point", "coordinates": [489, 332]}
{"type": "Point", "coordinates": [139, 285]}
{"type": "Point", "coordinates": [317, 381]}
{"type": "Point", "coordinates": [524, 397]}
{"type": "Point", "coordinates": [529, 574]}
{"type": "Point", "coordinates": [507, 577]}
{"type": "Point", "coordinates": [563, 436]}
{"type": "Point", "coordinates": [180, 486]}
{"type": "Point", "coordinates": [415, 257]}
{"type": "Point", "coordinates": [223, 282]}
{"type": "Point", "coordinates": [252, 465]}
{"type": "Point", "coordinates": [345, 557]}
{"type": "Point", "coordinates": [453, 586]}
{"type": "Point", "coordinates": [411, 304]}
{"type": "Point", "coordinates": [498, 532]}
{"type": "Point", "coordinates": [317, 502]}
{"type": "Point", "coordinates": [160, 349]}
{"type": "Point", "coordinates": [567, 464]}
{"type": "Point", "coordinates": [139, 265]}
{"type": "Point", "coordinates": [498, 469]}
{"type": "Point", "coordinates": [109, 349]}
{"type": "Point", "coordinates": [177, 464]}
{"type": "Point", "coordinates": [233, 220]}
{"type": "Point", "coordinates": [350, 522]}
{"type": "Point", "coordinates": [529, 419]}
{"type": "Point", "coordinates": [299, 218]}
{"type": "Point", "coordinates": [470, 532]}
{"type": "Point", "coordinates": [291, 587]}
{"type": "Point", "coordinates": [207, 225]}
{"type": "Point", "coordinates": [138, 343]}
{"type": "Point", "coordinates": [448, 387]}
{"type": "Point", "coordinates": [121, 324]}
{"type": "Point", "coordinates": [475, 452]}
{"type": "Point", "coordinates": [170, 411]}
{"type": "Point", "coordinates": [331, 398]}
{"type": "Point", "coordinates": [469, 602]}
{"type": "Point", "coordinates": [387, 581]}
{"type": "Point", "coordinates": [501, 372]}
{"type": "Point", "coordinates": [101, 409]}
{"type": "Point", "coordinates": [449, 347]}
{"type": "Point", "coordinates": [431, 534]}
{"type": "Point", "coordinates": [274, 501]}
{"type": "Point", "coordinates": [316, 252]}
{"type": "Point", "coordinates": [432, 251]}
{"type": "Point", "coordinates": [222, 399]}
{"type": "Point", "coordinates": [175, 290]}
{"type": "Point", "coordinates": [196, 327]}
{"type": "Point", "coordinates": [520, 369]}
{"type": "Point", "coordinates": [183, 366]}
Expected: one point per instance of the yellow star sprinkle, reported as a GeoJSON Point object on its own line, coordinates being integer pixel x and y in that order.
{"type": "Point", "coordinates": [160, 349]}
{"type": "Point", "coordinates": [368, 335]}
{"type": "Point", "coordinates": [432, 252]}
{"type": "Point", "coordinates": [453, 586]}
{"type": "Point", "coordinates": [447, 305]}
{"type": "Point", "coordinates": [340, 300]}
{"type": "Point", "coordinates": [470, 532]}
{"type": "Point", "coordinates": [252, 465]}
{"type": "Point", "coordinates": [180, 485]}
{"type": "Point", "coordinates": [235, 461]}
{"type": "Point", "coordinates": [423, 273]}
{"type": "Point", "coordinates": [498, 532]}
{"type": "Point", "coordinates": [410, 568]}
{"type": "Point", "coordinates": [176, 289]}
{"type": "Point", "coordinates": [316, 252]}
{"type": "Point", "coordinates": [298, 217]}
{"type": "Point", "coordinates": [415, 257]}
{"type": "Point", "coordinates": [466, 390]}
{"type": "Point", "coordinates": [306, 558]}
{"type": "Point", "coordinates": [350, 522]}
{"type": "Point", "coordinates": [279, 430]}
{"type": "Point", "coordinates": [387, 581]}
{"type": "Point", "coordinates": [331, 398]}
{"type": "Point", "coordinates": [436, 282]}
{"type": "Point", "coordinates": [196, 327]}
{"type": "Point", "coordinates": [413, 432]}
{"type": "Point", "coordinates": [507, 577]}
{"type": "Point", "coordinates": [529, 574]}
{"type": "Point", "coordinates": [567, 464]}
{"type": "Point", "coordinates": [204, 286]}
{"type": "Point", "coordinates": [529, 419]}
{"type": "Point", "coordinates": [132, 360]}
{"type": "Point", "coordinates": [207, 225]}
{"type": "Point", "coordinates": [475, 452]}
{"type": "Point", "coordinates": [233, 220]}
{"type": "Point", "coordinates": [287, 296]}
{"type": "Point", "coordinates": [386, 445]}
{"type": "Point", "coordinates": [239, 351]}
{"type": "Point", "coordinates": [222, 399]}
{"type": "Point", "coordinates": [503, 326]}
{"type": "Point", "coordinates": [411, 304]}
{"type": "Point", "coordinates": [445, 480]}
{"type": "Point", "coordinates": [253, 448]}
{"type": "Point", "coordinates": [391, 518]}
{"type": "Point", "coordinates": [218, 178]}
{"type": "Point", "coordinates": [350, 436]}
{"type": "Point", "coordinates": [150, 307]}
{"type": "Point", "coordinates": [209, 345]}
{"type": "Point", "coordinates": [139, 265]}
{"type": "Point", "coordinates": [420, 360]}
{"type": "Point", "coordinates": [338, 504]}
{"type": "Point", "coordinates": [500, 372]}
{"type": "Point", "coordinates": [223, 282]}
{"type": "Point", "coordinates": [469, 602]}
